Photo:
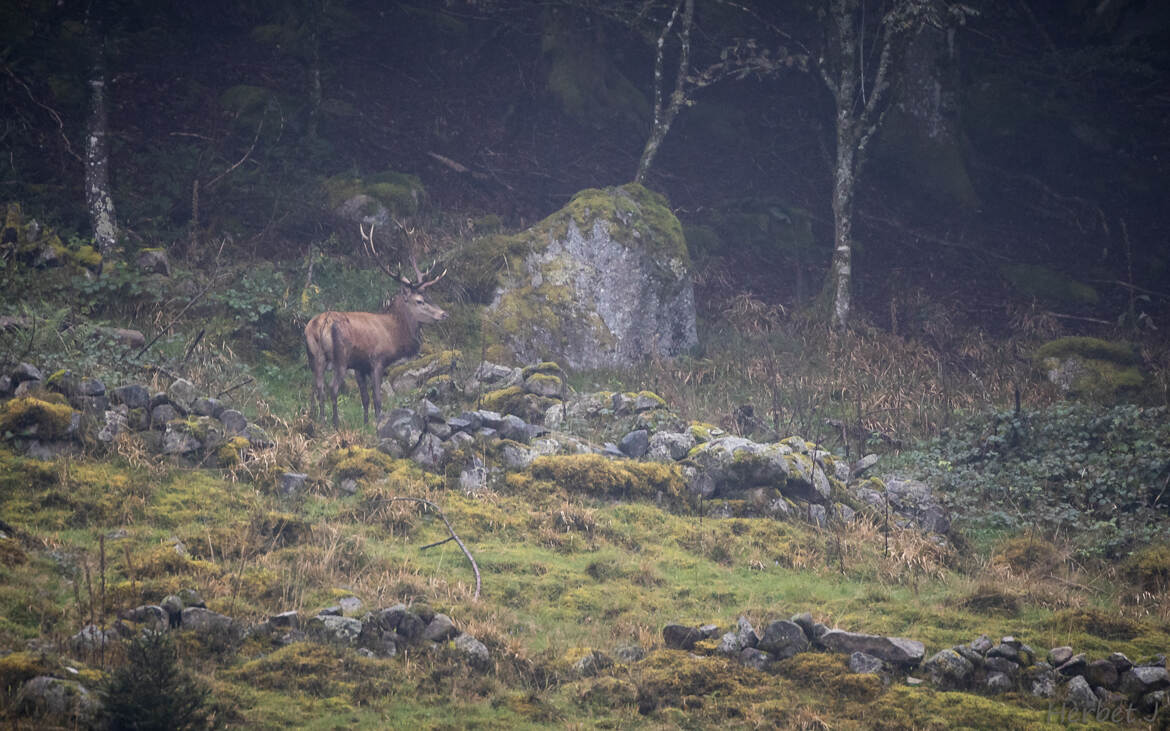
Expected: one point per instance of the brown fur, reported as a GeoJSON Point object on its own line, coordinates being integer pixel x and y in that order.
{"type": "Point", "coordinates": [367, 342]}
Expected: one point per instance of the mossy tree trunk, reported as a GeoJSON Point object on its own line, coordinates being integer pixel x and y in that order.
{"type": "Point", "coordinates": [98, 199]}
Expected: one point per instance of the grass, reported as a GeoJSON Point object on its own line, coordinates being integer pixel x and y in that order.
{"type": "Point", "coordinates": [561, 571]}
{"type": "Point", "coordinates": [574, 554]}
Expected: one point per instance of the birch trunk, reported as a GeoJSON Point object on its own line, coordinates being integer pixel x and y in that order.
{"type": "Point", "coordinates": [97, 161]}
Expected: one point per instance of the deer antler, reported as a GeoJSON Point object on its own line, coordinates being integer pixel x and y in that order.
{"type": "Point", "coordinates": [372, 252]}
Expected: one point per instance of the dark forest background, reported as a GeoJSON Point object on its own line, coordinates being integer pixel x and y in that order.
{"type": "Point", "coordinates": [230, 119]}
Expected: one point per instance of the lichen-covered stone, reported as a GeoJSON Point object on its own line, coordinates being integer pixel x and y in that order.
{"type": "Point", "coordinates": [603, 282]}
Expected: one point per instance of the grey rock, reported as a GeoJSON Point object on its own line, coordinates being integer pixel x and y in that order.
{"type": "Point", "coordinates": [1073, 666]}
{"type": "Point", "coordinates": [669, 446]}
{"type": "Point", "coordinates": [1004, 650]}
{"type": "Point", "coordinates": [291, 483]}
{"type": "Point", "coordinates": [516, 457]}
{"type": "Point", "coordinates": [350, 604]}
{"type": "Point", "coordinates": [411, 627]}
{"type": "Point", "coordinates": [949, 670]}
{"type": "Point", "coordinates": [473, 651]}
{"type": "Point", "coordinates": [113, 423]}
{"type": "Point", "coordinates": [1154, 701]}
{"type": "Point", "coordinates": [490, 419]}
{"type": "Point", "coordinates": [1143, 679]}
{"type": "Point", "coordinates": [404, 427]}
{"type": "Point", "coordinates": [859, 662]}
{"type": "Point", "coordinates": [440, 429]}
{"type": "Point", "coordinates": [1058, 656]}
{"type": "Point", "coordinates": [289, 620]}
{"type": "Point", "coordinates": [1121, 663]}
{"type": "Point", "coordinates": [183, 393]}
{"type": "Point", "coordinates": [628, 298]}
{"type": "Point", "coordinates": [151, 615]}
{"type": "Point", "coordinates": [234, 423]}
{"type": "Point", "coordinates": [635, 444]}
{"type": "Point", "coordinates": [440, 629]}
{"type": "Point", "coordinates": [804, 620]}
{"type": "Point", "coordinates": [336, 629]}
{"type": "Point", "coordinates": [206, 622]}
{"type": "Point", "coordinates": [61, 703]}
{"type": "Point", "coordinates": [817, 515]}
{"type": "Point", "coordinates": [462, 424]}
{"type": "Point", "coordinates": [91, 639]}
{"type": "Point", "coordinates": [514, 428]}
{"type": "Point", "coordinates": [486, 433]}
{"type": "Point", "coordinates": [593, 663]}
{"type": "Point", "coordinates": [645, 402]}
{"type": "Point", "coordinates": [473, 477]}
{"type": "Point", "coordinates": [544, 384]}
{"type": "Point", "coordinates": [191, 598]}
{"type": "Point", "coordinates": [471, 418]}
{"type": "Point", "coordinates": [754, 658]}
{"type": "Point", "coordinates": [153, 261]}
{"type": "Point", "coordinates": [863, 464]}
{"type": "Point", "coordinates": [25, 372]}
{"type": "Point", "coordinates": [680, 636]}
{"type": "Point", "coordinates": [430, 452]}
{"type": "Point", "coordinates": [630, 653]}
{"type": "Point", "coordinates": [429, 411]}
{"type": "Point", "coordinates": [349, 486]}
{"type": "Point", "coordinates": [161, 414]}
{"type": "Point", "coordinates": [1102, 673]}
{"type": "Point", "coordinates": [461, 439]}
{"type": "Point", "coordinates": [205, 406]}
{"type": "Point", "coordinates": [894, 650]}
{"type": "Point", "coordinates": [999, 683]}
{"type": "Point", "coordinates": [177, 439]}
{"type": "Point", "coordinates": [497, 376]}
{"type": "Point", "coordinates": [257, 437]}
{"type": "Point", "coordinates": [783, 639]}
{"type": "Point", "coordinates": [1079, 695]}
{"type": "Point", "coordinates": [1002, 665]}
{"type": "Point", "coordinates": [1043, 685]}
{"type": "Point", "coordinates": [610, 450]}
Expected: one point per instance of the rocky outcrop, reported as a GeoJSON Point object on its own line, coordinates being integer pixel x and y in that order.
{"type": "Point", "coordinates": [603, 283]}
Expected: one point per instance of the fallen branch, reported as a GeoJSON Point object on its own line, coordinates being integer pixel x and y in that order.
{"type": "Point", "coordinates": [454, 537]}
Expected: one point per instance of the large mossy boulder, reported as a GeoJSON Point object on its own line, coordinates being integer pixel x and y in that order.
{"type": "Point", "coordinates": [602, 283]}
{"type": "Point", "coordinates": [1099, 370]}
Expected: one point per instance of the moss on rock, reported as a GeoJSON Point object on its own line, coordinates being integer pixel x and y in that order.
{"type": "Point", "coordinates": [1090, 367]}
{"type": "Point", "coordinates": [596, 475]}
{"type": "Point", "coordinates": [41, 416]}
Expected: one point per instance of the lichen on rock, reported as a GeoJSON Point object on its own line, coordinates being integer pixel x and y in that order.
{"type": "Point", "coordinates": [604, 282]}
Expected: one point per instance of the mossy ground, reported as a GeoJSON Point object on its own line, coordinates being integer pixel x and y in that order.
{"type": "Point", "coordinates": [578, 552]}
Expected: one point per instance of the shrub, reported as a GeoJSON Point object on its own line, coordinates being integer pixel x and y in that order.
{"type": "Point", "coordinates": [151, 690]}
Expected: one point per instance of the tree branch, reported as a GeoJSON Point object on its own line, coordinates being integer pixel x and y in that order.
{"type": "Point", "coordinates": [454, 537]}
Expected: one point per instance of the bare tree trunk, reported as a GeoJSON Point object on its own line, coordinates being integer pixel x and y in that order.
{"type": "Point", "coordinates": [860, 97]}
{"type": "Point", "coordinates": [664, 115]}
{"type": "Point", "coordinates": [97, 162]}
{"type": "Point", "coordinates": [844, 183]}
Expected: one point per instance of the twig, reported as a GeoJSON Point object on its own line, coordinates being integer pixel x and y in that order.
{"type": "Point", "coordinates": [196, 298]}
{"type": "Point", "coordinates": [454, 537]}
{"type": "Point", "coordinates": [239, 162]}
{"type": "Point", "coordinates": [241, 384]}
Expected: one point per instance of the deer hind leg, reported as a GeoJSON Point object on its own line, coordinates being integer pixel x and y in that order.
{"type": "Point", "coordinates": [340, 358]}
{"type": "Point", "coordinates": [363, 380]}
{"type": "Point", "coordinates": [377, 377]}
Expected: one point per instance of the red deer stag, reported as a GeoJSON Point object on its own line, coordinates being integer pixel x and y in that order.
{"type": "Point", "coordinates": [368, 342]}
